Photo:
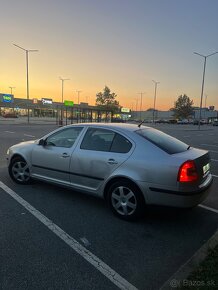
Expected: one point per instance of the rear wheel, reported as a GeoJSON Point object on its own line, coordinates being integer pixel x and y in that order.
{"type": "Point", "coordinates": [19, 171]}
{"type": "Point", "coordinates": [125, 200]}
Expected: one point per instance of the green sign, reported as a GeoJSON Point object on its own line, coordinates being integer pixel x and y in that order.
{"type": "Point", "coordinates": [7, 98]}
{"type": "Point", "coordinates": [69, 103]}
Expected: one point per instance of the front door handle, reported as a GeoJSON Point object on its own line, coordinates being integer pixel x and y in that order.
{"type": "Point", "coordinates": [112, 161]}
{"type": "Point", "coordinates": [65, 155]}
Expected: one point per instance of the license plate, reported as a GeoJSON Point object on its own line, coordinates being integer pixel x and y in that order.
{"type": "Point", "coordinates": [206, 167]}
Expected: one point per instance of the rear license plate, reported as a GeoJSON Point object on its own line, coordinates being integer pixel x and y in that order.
{"type": "Point", "coordinates": [206, 168]}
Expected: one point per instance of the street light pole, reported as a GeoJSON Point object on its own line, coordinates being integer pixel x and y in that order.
{"type": "Point", "coordinates": [140, 113]}
{"type": "Point", "coordinates": [27, 75]}
{"type": "Point", "coordinates": [11, 89]}
{"type": "Point", "coordinates": [78, 92]}
{"type": "Point", "coordinates": [62, 96]}
{"type": "Point", "coordinates": [205, 101]}
{"type": "Point", "coordinates": [155, 93]}
{"type": "Point", "coordinates": [202, 86]}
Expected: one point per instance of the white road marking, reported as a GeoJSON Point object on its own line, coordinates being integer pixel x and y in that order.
{"type": "Point", "coordinates": [28, 135]}
{"type": "Point", "coordinates": [209, 145]}
{"type": "Point", "coordinates": [10, 132]}
{"type": "Point", "coordinates": [106, 270]}
{"type": "Point", "coordinates": [208, 208]}
{"type": "Point", "coordinates": [215, 160]}
{"type": "Point", "coordinates": [213, 151]}
{"type": "Point", "coordinates": [214, 175]}
{"type": "Point", "coordinates": [85, 242]}
{"type": "Point", "coordinates": [199, 135]}
{"type": "Point", "coordinates": [186, 136]}
{"type": "Point", "coordinates": [211, 134]}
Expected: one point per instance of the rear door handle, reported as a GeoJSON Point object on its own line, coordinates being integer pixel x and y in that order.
{"type": "Point", "coordinates": [65, 155]}
{"type": "Point", "coordinates": [112, 161]}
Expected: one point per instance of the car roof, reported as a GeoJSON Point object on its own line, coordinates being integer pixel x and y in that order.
{"type": "Point", "coordinates": [119, 126]}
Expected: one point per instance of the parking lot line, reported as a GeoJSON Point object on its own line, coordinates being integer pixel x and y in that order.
{"type": "Point", "coordinates": [10, 132]}
{"type": "Point", "coordinates": [214, 175]}
{"type": "Point", "coordinates": [208, 208]}
{"type": "Point", "coordinates": [28, 135]}
{"type": "Point", "coordinates": [215, 160]}
{"type": "Point", "coordinates": [106, 270]}
{"type": "Point", "coordinates": [209, 145]}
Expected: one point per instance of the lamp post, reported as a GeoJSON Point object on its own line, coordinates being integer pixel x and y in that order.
{"type": "Point", "coordinates": [202, 86]}
{"type": "Point", "coordinates": [142, 93]}
{"type": "Point", "coordinates": [11, 89]}
{"type": "Point", "coordinates": [62, 96]}
{"type": "Point", "coordinates": [136, 106]}
{"type": "Point", "coordinates": [78, 92]}
{"type": "Point", "coordinates": [155, 93]}
{"type": "Point", "coordinates": [27, 75]}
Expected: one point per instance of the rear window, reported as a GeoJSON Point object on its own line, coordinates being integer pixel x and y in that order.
{"type": "Point", "coordinates": [166, 142]}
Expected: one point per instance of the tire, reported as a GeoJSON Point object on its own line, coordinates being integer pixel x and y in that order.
{"type": "Point", "coordinates": [125, 200]}
{"type": "Point", "coordinates": [19, 171]}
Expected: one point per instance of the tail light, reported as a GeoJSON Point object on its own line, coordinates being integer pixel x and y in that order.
{"type": "Point", "coordinates": [187, 172]}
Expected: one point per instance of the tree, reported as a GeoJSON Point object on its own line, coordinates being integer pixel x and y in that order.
{"type": "Point", "coordinates": [106, 100]}
{"type": "Point", "coordinates": [183, 107]}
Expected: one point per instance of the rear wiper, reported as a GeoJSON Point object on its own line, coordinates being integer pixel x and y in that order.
{"type": "Point", "coordinates": [188, 147]}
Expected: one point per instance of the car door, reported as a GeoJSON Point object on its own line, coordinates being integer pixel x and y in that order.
{"type": "Point", "coordinates": [100, 153]}
{"type": "Point", "coordinates": [51, 161]}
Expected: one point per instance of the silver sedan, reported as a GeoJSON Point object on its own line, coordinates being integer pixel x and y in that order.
{"type": "Point", "coordinates": [130, 166]}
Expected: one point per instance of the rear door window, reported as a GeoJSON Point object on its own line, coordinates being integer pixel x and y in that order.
{"type": "Point", "coordinates": [105, 140]}
{"type": "Point", "coordinates": [164, 141]}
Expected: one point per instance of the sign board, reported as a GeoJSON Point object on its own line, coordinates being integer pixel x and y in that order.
{"type": "Point", "coordinates": [6, 98]}
{"type": "Point", "coordinates": [35, 101]}
{"type": "Point", "coordinates": [125, 110]}
{"type": "Point", "coordinates": [69, 103]}
{"type": "Point", "coordinates": [46, 101]}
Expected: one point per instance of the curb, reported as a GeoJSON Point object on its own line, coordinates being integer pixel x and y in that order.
{"type": "Point", "coordinates": [174, 281]}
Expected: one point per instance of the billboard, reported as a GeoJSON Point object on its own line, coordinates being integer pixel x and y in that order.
{"type": "Point", "coordinates": [69, 103]}
{"type": "Point", "coordinates": [6, 98]}
{"type": "Point", "coordinates": [46, 101]}
{"type": "Point", "coordinates": [125, 110]}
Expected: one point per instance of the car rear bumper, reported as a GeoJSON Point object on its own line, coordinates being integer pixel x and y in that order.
{"type": "Point", "coordinates": [158, 196]}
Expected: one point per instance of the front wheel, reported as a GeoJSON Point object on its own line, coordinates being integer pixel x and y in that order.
{"type": "Point", "coordinates": [19, 171]}
{"type": "Point", "coordinates": [125, 200]}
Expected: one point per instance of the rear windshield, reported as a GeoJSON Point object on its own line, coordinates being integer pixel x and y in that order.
{"type": "Point", "coordinates": [167, 143]}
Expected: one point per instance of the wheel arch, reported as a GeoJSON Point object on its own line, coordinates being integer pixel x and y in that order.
{"type": "Point", "coordinates": [17, 155]}
{"type": "Point", "coordinates": [118, 178]}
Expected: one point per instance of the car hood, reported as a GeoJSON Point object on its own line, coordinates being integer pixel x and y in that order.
{"type": "Point", "coordinates": [23, 147]}
{"type": "Point", "coordinates": [24, 144]}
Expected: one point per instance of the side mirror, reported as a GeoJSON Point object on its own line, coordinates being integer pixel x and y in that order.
{"type": "Point", "coordinates": [42, 142]}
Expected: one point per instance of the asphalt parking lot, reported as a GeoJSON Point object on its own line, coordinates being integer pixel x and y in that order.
{"type": "Point", "coordinates": [53, 238]}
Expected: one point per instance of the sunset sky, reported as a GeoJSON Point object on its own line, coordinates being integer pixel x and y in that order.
{"type": "Point", "coordinates": [124, 44]}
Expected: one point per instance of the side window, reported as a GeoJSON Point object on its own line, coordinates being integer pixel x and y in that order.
{"type": "Point", "coordinates": [64, 138]}
{"type": "Point", "coordinates": [97, 139]}
{"type": "Point", "coordinates": [120, 144]}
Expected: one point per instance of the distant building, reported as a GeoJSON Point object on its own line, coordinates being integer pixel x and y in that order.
{"type": "Point", "coordinates": [206, 113]}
